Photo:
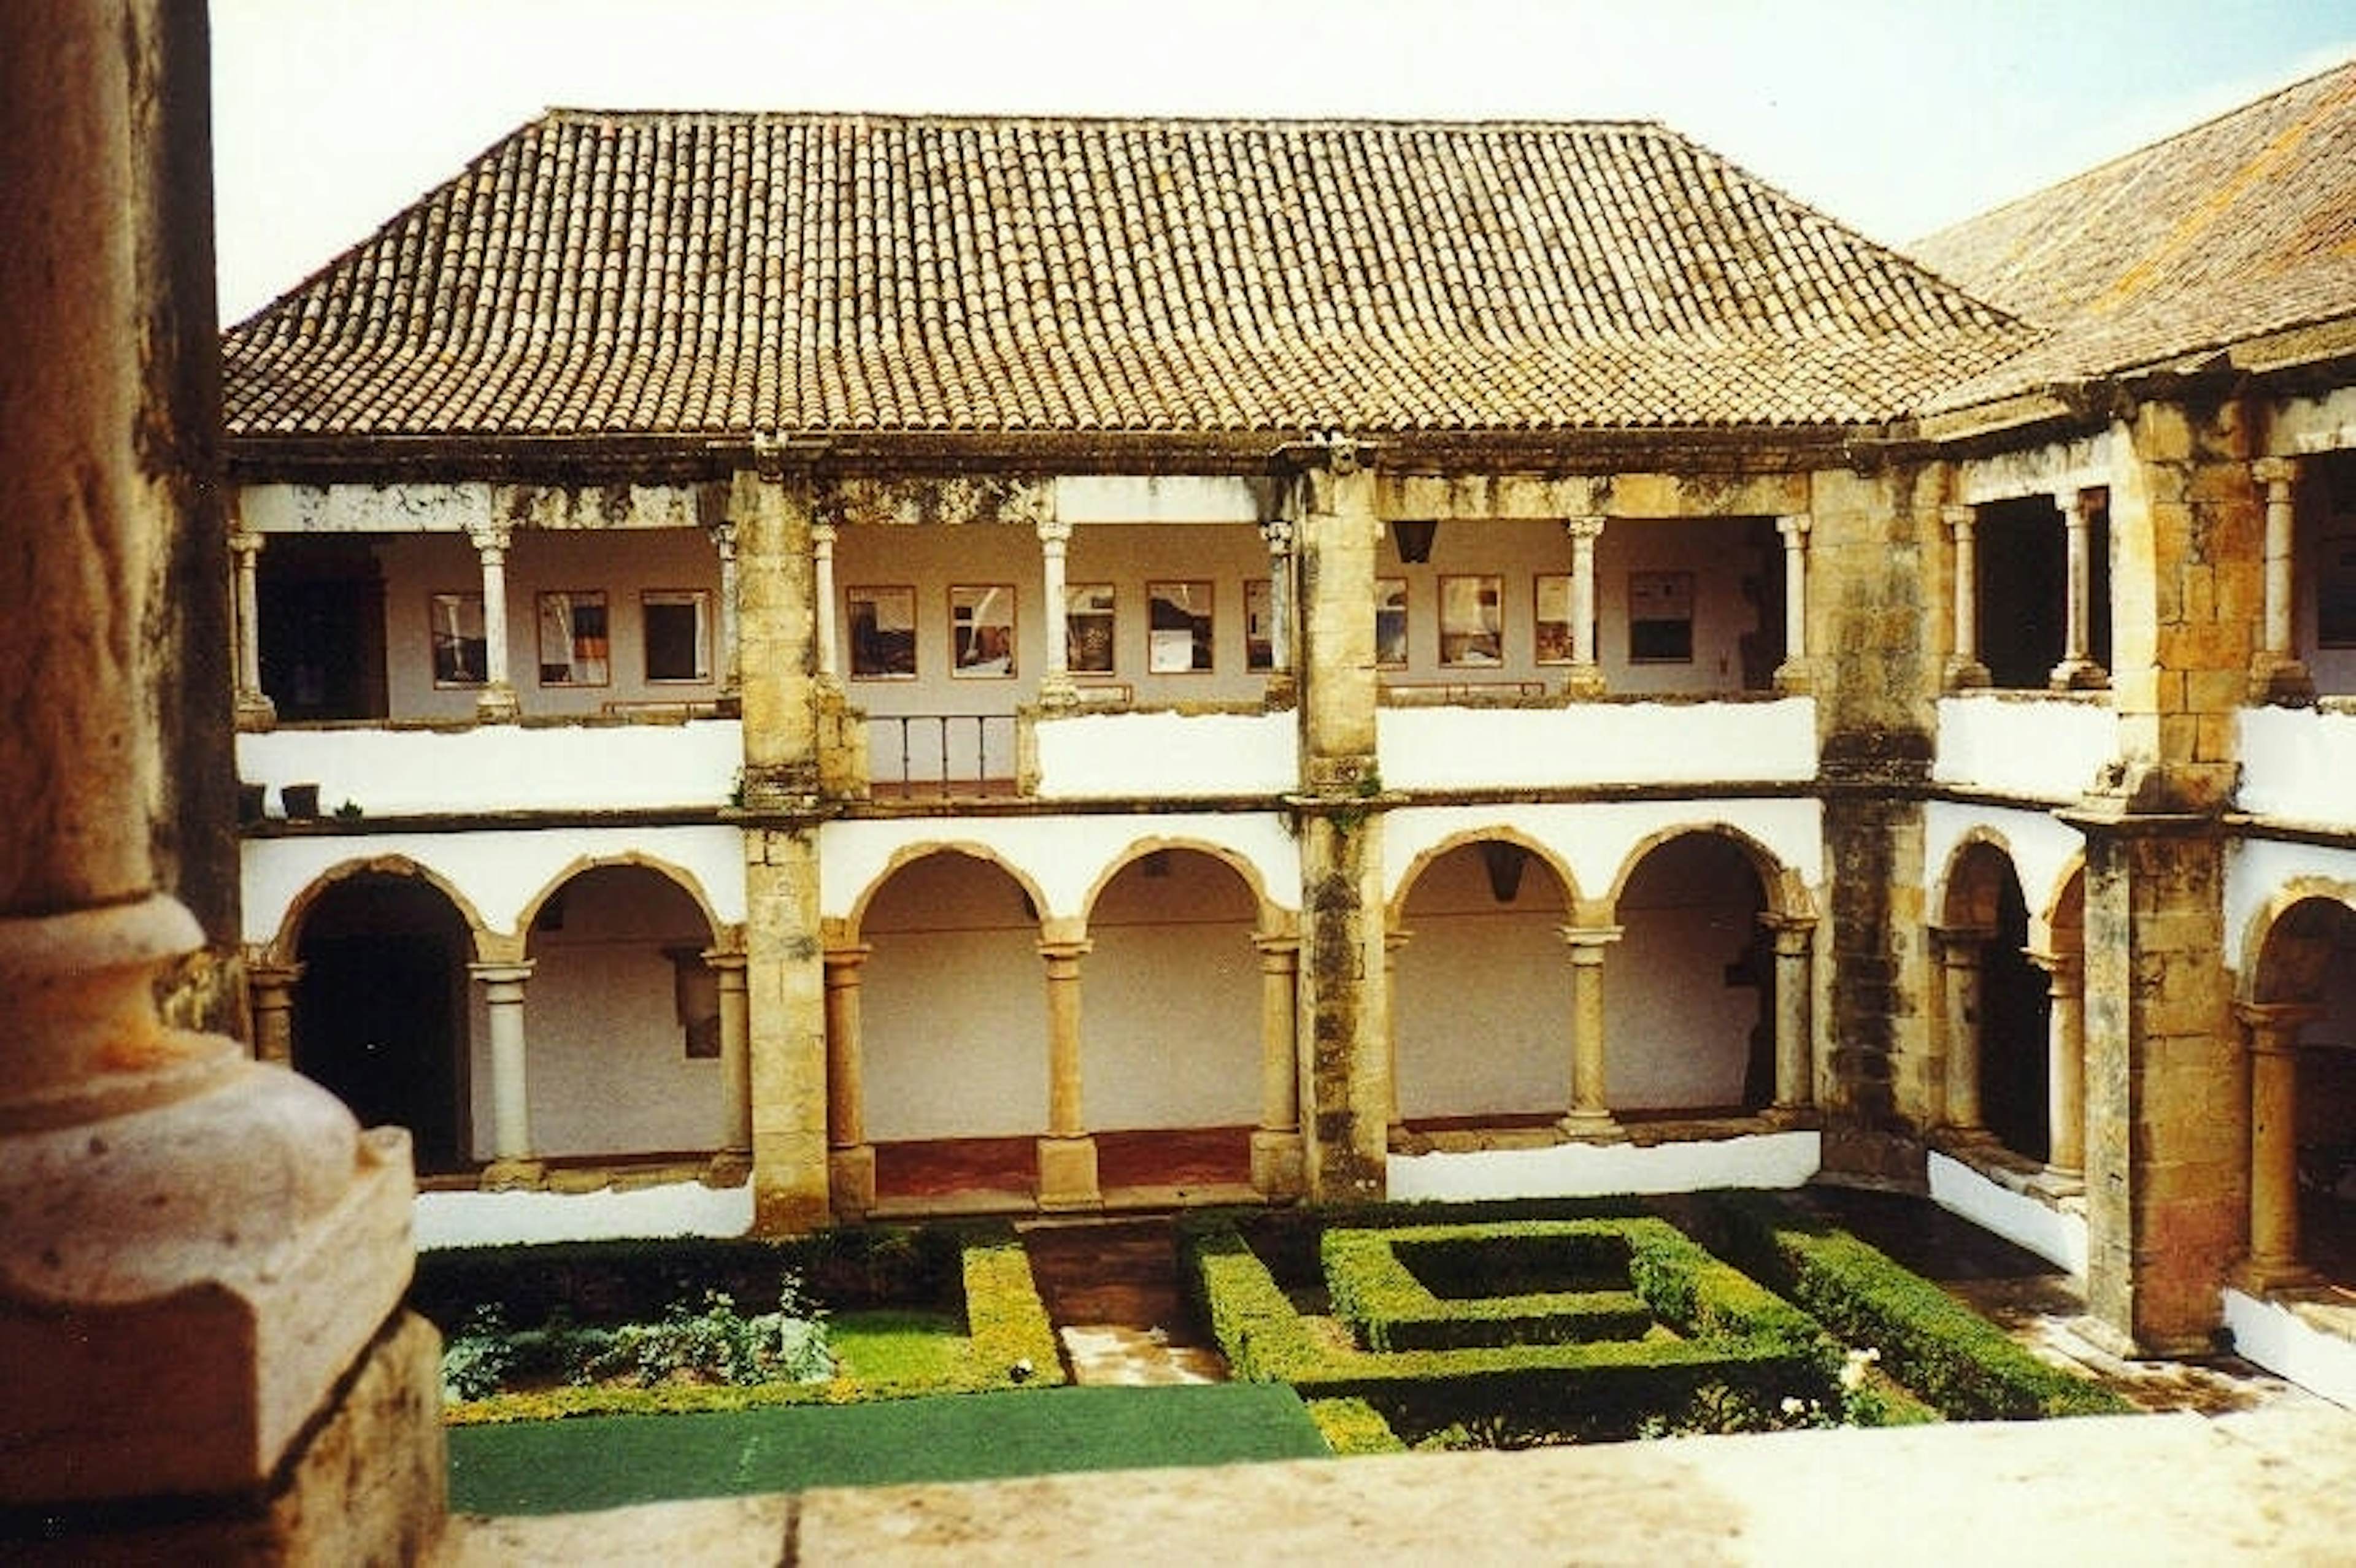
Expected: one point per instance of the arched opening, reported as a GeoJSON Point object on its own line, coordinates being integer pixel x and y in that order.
{"type": "Point", "coordinates": [2006, 1054]}
{"type": "Point", "coordinates": [1482, 998]}
{"type": "Point", "coordinates": [1689, 994]}
{"type": "Point", "coordinates": [2307, 969]}
{"type": "Point", "coordinates": [380, 1009]}
{"type": "Point", "coordinates": [1170, 1023]}
{"type": "Point", "coordinates": [621, 1019]}
{"type": "Point", "coordinates": [954, 1027]}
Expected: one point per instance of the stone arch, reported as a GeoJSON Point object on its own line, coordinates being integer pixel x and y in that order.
{"type": "Point", "coordinates": [1999, 1057]}
{"type": "Point", "coordinates": [2284, 954]}
{"type": "Point", "coordinates": [679, 877]}
{"type": "Point", "coordinates": [1781, 887]}
{"type": "Point", "coordinates": [2060, 926]}
{"type": "Point", "coordinates": [1490, 832]}
{"type": "Point", "coordinates": [906, 855]}
{"type": "Point", "coordinates": [1480, 981]}
{"type": "Point", "coordinates": [1271, 917]}
{"type": "Point", "coordinates": [1970, 885]}
{"type": "Point", "coordinates": [281, 948]}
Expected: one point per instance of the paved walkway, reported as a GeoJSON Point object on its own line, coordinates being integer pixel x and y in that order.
{"type": "Point", "coordinates": [1111, 1289]}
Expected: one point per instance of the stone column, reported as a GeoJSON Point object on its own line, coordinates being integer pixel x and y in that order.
{"type": "Point", "coordinates": [2277, 673]}
{"type": "Point", "coordinates": [1276, 533]}
{"type": "Point", "coordinates": [2078, 671]}
{"type": "Point", "coordinates": [822, 601]}
{"type": "Point", "coordinates": [1792, 675]}
{"type": "Point", "coordinates": [1067, 1154]}
{"type": "Point", "coordinates": [496, 704]}
{"type": "Point", "coordinates": [254, 709]}
{"type": "Point", "coordinates": [1964, 670]}
{"type": "Point", "coordinates": [203, 1258]}
{"type": "Point", "coordinates": [735, 1158]}
{"type": "Point", "coordinates": [511, 1163]}
{"type": "Point", "coordinates": [2272, 1030]}
{"type": "Point", "coordinates": [270, 989]}
{"type": "Point", "coordinates": [1276, 1142]}
{"type": "Point", "coordinates": [849, 1157]}
{"type": "Point", "coordinates": [1960, 948]}
{"type": "Point", "coordinates": [1588, 1118]}
{"type": "Point", "coordinates": [1586, 677]}
{"type": "Point", "coordinates": [1394, 1127]}
{"type": "Point", "coordinates": [2065, 1065]}
{"type": "Point", "coordinates": [1794, 938]}
{"type": "Point", "coordinates": [1056, 688]}
{"type": "Point", "coordinates": [732, 668]}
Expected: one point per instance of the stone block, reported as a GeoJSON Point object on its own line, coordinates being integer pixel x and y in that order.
{"type": "Point", "coordinates": [1068, 1175]}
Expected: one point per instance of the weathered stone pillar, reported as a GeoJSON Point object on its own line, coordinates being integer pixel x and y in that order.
{"type": "Point", "coordinates": [1056, 688]}
{"type": "Point", "coordinates": [1343, 1028]}
{"type": "Point", "coordinates": [1792, 675]}
{"type": "Point", "coordinates": [727, 966]}
{"type": "Point", "coordinates": [1067, 1154]}
{"type": "Point", "coordinates": [2065, 1065]}
{"type": "Point", "coordinates": [850, 1159]}
{"type": "Point", "coordinates": [1588, 1118]}
{"type": "Point", "coordinates": [1964, 670]}
{"type": "Point", "coordinates": [495, 703]}
{"type": "Point", "coordinates": [2078, 671]}
{"type": "Point", "coordinates": [822, 600]}
{"type": "Point", "coordinates": [2272, 1030]}
{"type": "Point", "coordinates": [1586, 677]}
{"type": "Point", "coordinates": [202, 1258]}
{"type": "Point", "coordinates": [1794, 938]}
{"type": "Point", "coordinates": [270, 987]}
{"type": "Point", "coordinates": [1394, 1125]}
{"type": "Point", "coordinates": [254, 709]}
{"type": "Point", "coordinates": [732, 669]}
{"type": "Point", "coordinates": [2277, 673]}
{"type": "Point", "coordinates": [1276, 533]}
{"type": "Point", "coordinates": [1960, 950]}
{"type": "Point", "coordinates": [511, 1149]}
{"type": "Point", "coordinates": [1276, 1159]}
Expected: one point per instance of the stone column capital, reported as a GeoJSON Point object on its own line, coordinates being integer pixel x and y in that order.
{"type": "Point", "coordinates": [725, 960]}
{"type": "Point", "coordinates": [247, 541]}
{"type": "Point", "coordinates": [499, 973]}
{"type": "Point", "coordinates": [276, 975]}
{"type": "Point", "coordinates": [1279, 953]}
{"type": "Point", "coordinates": [1794, 529]}
{"type": "Point", "coordinates": [1277, 533]}
{"type": "Point", "coordinates": [1587, 942]}
{"type": "Point", "coordinates": [724, 538]}
{"type": "Point", "coordinates": [1584, 528]}
{"type": "Point", "coordinates": [1959, 517]}
{"type": "Point", "coordinates": [2272, 470]}
{"type": "Point", "coordinates": [2064, 970]}
{"type": "Point", "coordinates": [846, 958]}
{"type": "Point", "coordinates": [1065, 952]}
{"type": "Point", "coordinates": [1054, 531]}
{"type": "Point", "coordinates": [1793, 934]}
{"type": "Point", "coordinates": [1961, 944]}
{"type": "Point", "coordinates": [2274, 1026]}
{"type": "Point", "coordinates": [492, 538]}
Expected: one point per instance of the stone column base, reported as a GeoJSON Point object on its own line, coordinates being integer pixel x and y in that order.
{"type": "Point", "coordinates": [728, 1168]}
{"type": "Point", "coordinates": [2079, 675]}
{"type": "Point", "coordinates": [1591, 1128]}
{"type": "Point", "coordinates": [851, 1181]}
{"type": "Point", "coordinates": [1067, 1174]}
{"type": "Point", "coordinates": [255, 712]}
{"type": "Point", "coordinates": [1279, 1165]}
{"type": "Point", "coordinates": [369, 1485]}
{"type": "Point", "coordinates": [513, 1175]}
{"type": "Point", "coordinates": [1966, 674]}
{"type": "Point", "coordinates": [2281, 681]}
{"type": "Point", "coordinates": [1793, 679]}
{"type": "Point", "coordinates": [2258, 1276]}
{"type": "Point", "coordinates": [1791, 1118]}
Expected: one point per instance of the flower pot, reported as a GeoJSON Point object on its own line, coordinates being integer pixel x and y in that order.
{"type": "Point", "coordinates": [302, 800]}
{"type": "Point", "coordinates": [252, 802]}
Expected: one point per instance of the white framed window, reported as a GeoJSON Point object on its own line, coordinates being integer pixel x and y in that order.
{"type": "Point", "coordinates": [575, 648]}
{"type": "Point", "coordinates": [882, 633]}
{"type": "Point", "coordinates": [676, 623]}
{"type": "Point", "coordinates": [981, 631]}
{"type": "Point", "coordinates": [460, 653]}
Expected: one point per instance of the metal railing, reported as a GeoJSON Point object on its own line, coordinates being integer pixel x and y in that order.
{"type": "Point", "coordinates": [943, 755]}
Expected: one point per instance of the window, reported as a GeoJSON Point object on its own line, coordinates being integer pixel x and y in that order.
{"type": "Point", "coordinates": [981, 631]}
{"type": "Point", "coordinates": [675, 637]}
{"type": "Point", "coordinates": [882, 633]}
{"type": "Point", "coordinates": [1088, 628]}
{"type": "Point", "coordinates": [1660, 617]}
{"type": "Point", "coordinates": [1472, 624]}
{"type": "Point", "coordinates": [1260, 625]}
{"type": "Point", "coordinates": [1390, 622]}
{"type": "Point", "coordinates": [573, 649]}
{"type": "Point", "coordinates": [460, 656]}
{"type": "Point", "coordinates": [1552, 621]}
{"type": "Point", "coordinates": [1178, 627]}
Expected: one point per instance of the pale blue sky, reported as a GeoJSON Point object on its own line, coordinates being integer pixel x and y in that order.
{"type": "Point", "coordinates": [1896, 117]}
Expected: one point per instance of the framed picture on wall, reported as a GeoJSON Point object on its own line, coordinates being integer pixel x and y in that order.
{"type": "Point", "coordinates": [982, 630]}
{"type": "Point", "coordinates": [1660, 617]}
{"type": "Point", "coordinates": [1551, 624]}
{"type": "Point", "coordinates": [575, 647]}
{"type": "Point", "coordinates": [460, 653]}
{"type": "Point", "coordinates": [1088, 628]}
{"type": "Point", "coordinates": [1260, 625]}
{"type": "Point", "coordinates": [1178, 627]}
{"type": "Point", "coordinates": [1390, 622]}
{"type": "Point", "coordinates": [882, 633]}
{"type": "Point", "coordinates": [675, 624]}
{"type": "Point", "coordinates": [1471, 622]}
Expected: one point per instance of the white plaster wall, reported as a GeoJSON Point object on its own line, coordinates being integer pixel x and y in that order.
{"type": "Point", "coordinates": [1161, 498]}
{"type": "Point", "coordinates": [624, 564]}
{"type": "Point", "coordinates": [2058, 1236]}
{"type": "Point", "coordinates": [1167, 754]}
{"type": "Point", "coordinates": [1596, 840]}
{"type": "Point", "coordinates": [2044, 851]}
{"type": "Point", "coordinates": [1576, 1170]}
{"type": "Point", "coordinates": [2296, 764]}
{"type": "Point", "coordinates": [501, 767]}
{"type": "Point", "coordinates": [1065, 857]}
{"type": "Point", "coordinates": [412, 507]}
{"type": "Point", "coordinates": [2047, 749]}
{"type": "Point", "coordinates": [499, 872]}
{"type": "Point", "coordinates": [1482, 1004]}
{"type": "Point", "coordinates": [2257, 869]}
{"type": "Point", "coordinates": [495, 1219]}
{"type": "Point", "coordinates": [1455, 748]}
{"type": "Point", "coordinates": [2038, 470]}
{"type": "Point", "coordinates": [1170, 999]}
{"type": "Point", "coordinates": [2277, 1338]}
{"type": "Point", "coordinates": [1677, 1035]}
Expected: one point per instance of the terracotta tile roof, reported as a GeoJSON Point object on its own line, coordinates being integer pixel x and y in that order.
{"type": "Point", "coordinates": [2240, 227]}
{"type": "Point", "coordinates": [719, 273]}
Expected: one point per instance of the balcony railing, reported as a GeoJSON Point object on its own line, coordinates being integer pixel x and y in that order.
{"type": "Point", "coordinates": [941, 756]}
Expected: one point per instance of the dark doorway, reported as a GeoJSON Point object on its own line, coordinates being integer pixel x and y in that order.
{"type": "Point", "coordinates": [380, 1011]}
{"type": "Point", "coordinates": [2023, 556]}
{"type": "Point", "coordinates": [2015, 1089]}
{"type": "Point", "coordinates": [321, 628]}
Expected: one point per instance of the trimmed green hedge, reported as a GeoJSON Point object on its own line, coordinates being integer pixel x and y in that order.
{"type": "Point", "coordinates": [1353, 1427]}
{"type": "Point", "coordinates": [1940, 1349]}
{"type": "Point", "coordinates": [1013, 1341]}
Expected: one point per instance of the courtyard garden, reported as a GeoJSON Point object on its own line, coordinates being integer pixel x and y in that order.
{"type": "Point", "coordinates": [599, 1375]}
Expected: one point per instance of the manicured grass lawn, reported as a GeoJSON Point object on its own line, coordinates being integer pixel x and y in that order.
{"type": "Point", "coordinates": [564, 1466]}
{"type": "Point", "coordinates": [882, 1346]}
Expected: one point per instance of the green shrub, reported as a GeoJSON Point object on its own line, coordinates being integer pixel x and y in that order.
{"type": "Point", "coordinates": [1013, 1341]}
{"type": "Point", "coordinates": [1353, 1427]}
{"type": "Point", "coordinates": [1958, 1362]}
